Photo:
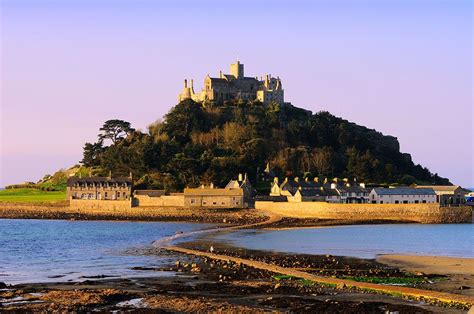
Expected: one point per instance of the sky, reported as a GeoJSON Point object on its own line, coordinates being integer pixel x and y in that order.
{"type": "Point", "coordinates": [401, 67]}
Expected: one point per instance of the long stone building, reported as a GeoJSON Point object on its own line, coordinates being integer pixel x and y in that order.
{"type": "Point", "coordinates": [235, 86]}
{"type": "Point", "coordinates": [99, 188]}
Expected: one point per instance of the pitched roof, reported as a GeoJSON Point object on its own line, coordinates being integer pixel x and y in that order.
{"type": "Point", "coordinates": [151, 193]}
{"type": "Point", "coordinates": [87, 180]}
{"type": "Point", "coordinates": [213, 192]}
{"type": "Point", "coordinates": [404, 191]}
{"type": "Point", "coordinates": [446, 188]}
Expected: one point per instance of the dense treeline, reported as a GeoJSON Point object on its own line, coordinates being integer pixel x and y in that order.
{"type": "Point", "coordinates": [196, 144]}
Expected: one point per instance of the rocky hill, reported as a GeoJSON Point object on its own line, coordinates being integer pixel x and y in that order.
{"type": "Point", "coordinates": [197, 144]}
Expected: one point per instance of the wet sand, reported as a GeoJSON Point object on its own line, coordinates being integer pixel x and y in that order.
{"type": "Point", "coordinates": [430, 264]}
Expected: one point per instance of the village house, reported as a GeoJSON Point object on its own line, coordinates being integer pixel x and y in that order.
{"type": "Point", "coordinates": [351, 192]}
{"type": "Point", "coordinates": [235, 86]}
{"type": "Point", "coordinates": [99, 188]}
{"type": "Point", "coordinates": [447, 195]}
{"type": "Point", "coordinates": [403, 195]}
{"type": "Point", "coordinates": [336, 191]}
{"type": "Point", "coordinates": [238, 193]}
{"type": "Point", "coordinates": [209, 196]}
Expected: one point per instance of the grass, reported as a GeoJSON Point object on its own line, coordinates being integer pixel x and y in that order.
{"type": "Point", "coordinates": [389, 280]}
{"type": "Point", "coordinates": [31, 195]}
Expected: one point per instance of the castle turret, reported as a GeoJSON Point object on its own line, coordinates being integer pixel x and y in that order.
{"type": "Point", "coordinates": [187, 92]}
{"type": "Point", "coordinates": [237, 70]}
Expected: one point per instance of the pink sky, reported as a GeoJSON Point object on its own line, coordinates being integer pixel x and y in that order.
{"type": "Point", "coordinates": [401, 67]}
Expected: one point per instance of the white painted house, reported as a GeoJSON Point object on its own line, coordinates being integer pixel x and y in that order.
{"type": "Point", "coordinates": [402, 196]}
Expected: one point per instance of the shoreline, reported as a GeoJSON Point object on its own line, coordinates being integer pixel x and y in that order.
{"type": "Point", "coordinates": [207, 284]}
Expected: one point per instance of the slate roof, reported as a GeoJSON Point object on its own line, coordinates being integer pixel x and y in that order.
{"type": "Point", "coordinates": [404, 191]}
{"type": "Point", "coordinates": [213, 192]}
{"type": "Point", "coordinates": [150, 193]}
{"type": "Point", "coordinates": [88, 180]}
{"type": "Point", "coordinates": [445, 188]}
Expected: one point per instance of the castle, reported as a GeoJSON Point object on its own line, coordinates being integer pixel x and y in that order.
{"type": "Point", "coordinates": [235, 86]}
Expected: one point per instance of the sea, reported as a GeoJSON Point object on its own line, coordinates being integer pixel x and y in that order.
{"type": "Point", "coordinates": [361, 241]}
{"type": "Point", "coordinates": [62, 250]}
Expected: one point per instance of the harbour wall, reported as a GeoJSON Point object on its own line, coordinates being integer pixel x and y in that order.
{"type": "Point", "coordinates": [421, 213]}
{"type": "Point", "coordinates": [173, 200]}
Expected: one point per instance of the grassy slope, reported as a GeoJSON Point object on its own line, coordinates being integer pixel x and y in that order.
{"type": "Point", "coordinates": [31, 195]}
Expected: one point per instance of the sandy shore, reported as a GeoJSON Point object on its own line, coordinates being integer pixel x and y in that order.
{"type": "Point", "coordinates": [430, 264]}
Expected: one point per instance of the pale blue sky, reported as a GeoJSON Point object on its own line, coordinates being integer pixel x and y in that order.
{"type": "Point", "coordinates": [401, 67]}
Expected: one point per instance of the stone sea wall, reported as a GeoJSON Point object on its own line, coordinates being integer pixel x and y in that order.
{"type": "Point", "coordinates": [422, 213]}
{"type": "Point", "coordinates": [176, 200]}
{"type": "Point", "coordinates": [125, 212]}
{"type": "Point", "coordinates": [108, 205]}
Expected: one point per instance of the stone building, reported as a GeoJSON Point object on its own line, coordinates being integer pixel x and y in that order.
{"type": "Point", "coordinates": [447, 195]}
{"type": "Point", "coordinates": [243, 183]}
{"type": "Point", "coordinates": [235, 86]}
{"type": "Point", "coordinates": [99, 188]}
{"type": "Point", "coordinates": [209, 196]}
{"type": "Point", "coordinates": [335, 191]}
{"type": "Point", "coordinates": [402, 196]}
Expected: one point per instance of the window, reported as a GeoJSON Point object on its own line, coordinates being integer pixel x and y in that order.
{"type": "Point", "coordinates": [405, 202]}
{"type": "Point", "coordinates": [118, 194]}
{"type": "Point", "coordinates": [424, 201]}
{"type": "Point", "coordinates": [192, 201]}
{"type": "Point", "coordinates": [416, 202]}
{"type": "Point", "coordinates": [381, 202]}
{"type": "Point", "coordinates": [397, 202]}
{"type": "Point", "coordinates": [214, 203]}
{"type": "Point", "coordinates": [105, 194]}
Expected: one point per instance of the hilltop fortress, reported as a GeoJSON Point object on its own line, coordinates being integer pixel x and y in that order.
{"type": "Point", "coordinates": [236, 86]}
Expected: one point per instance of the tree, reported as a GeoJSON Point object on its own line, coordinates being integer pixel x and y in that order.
{"type": "Point", "coordinates": [115, 130]}
{"type": "Point", "coordinates": [91, 154]}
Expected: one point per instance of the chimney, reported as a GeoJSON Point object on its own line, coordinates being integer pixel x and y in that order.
{"type": "Point", "coordinates": [192, 81]}
{"type": "Point", "coordinates": [333, 186]}
{"type": "Point", "coordinates": [240, 178]}
{"type": "Point", "coordinates": [212, 185]}
{"type": "Point", "coordinates": [286, 179]}
{"type": "Point", "coordinates": [297, 179]}
{"type": "Point", "coordinates": [185, 83]}
{"type": "Point", "coordinates": [220, 74]}
{"type": "Point", "coordinates": [130, 175]}
{"type": "Point", "coordinates": [110, 174]}
{"type": "Point", "coordinates": [275, 180]}
{"type": "Point", "coordinates": [316, 179]}
{"type": "Point", "coordinates": [306, 179]}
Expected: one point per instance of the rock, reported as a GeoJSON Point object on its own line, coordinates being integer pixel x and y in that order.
{"type": "Point", "coordinates": [177, 263]}
{"type": "Point", "coordinates": [464, 288]}
{"type": "Point", "coordinates": [341, 286]}
{"type": "Point", "coordinates": [3, 285]}
{"type": "Point", "coordinates": [278, 285]}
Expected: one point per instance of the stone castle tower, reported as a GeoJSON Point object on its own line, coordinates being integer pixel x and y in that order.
{"type": "Point", "coordinates": [236, 86]}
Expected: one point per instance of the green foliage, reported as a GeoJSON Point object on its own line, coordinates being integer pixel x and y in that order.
{"type": "Point", "coordinates": [197, 144]}
{"type": "Point", "coordinates": [409, 280]}
{"type": "Point", "coordinates": [114, 130]}
{"type": "Point", "coordinates": [31, 195]}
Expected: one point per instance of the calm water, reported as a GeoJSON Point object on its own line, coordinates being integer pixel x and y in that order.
{"type": "Point", "coordinates": [364, 241]}
{"type": "Point", "coordinates": [59, 250]}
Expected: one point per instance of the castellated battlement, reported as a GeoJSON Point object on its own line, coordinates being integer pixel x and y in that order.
{"type": "Point", "coordinates": [236, 86]}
